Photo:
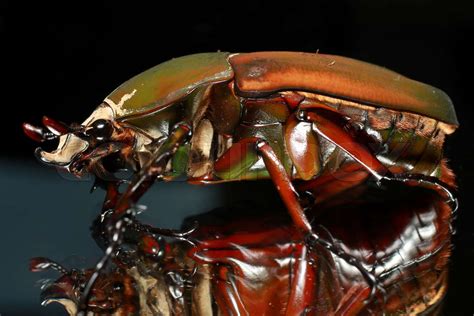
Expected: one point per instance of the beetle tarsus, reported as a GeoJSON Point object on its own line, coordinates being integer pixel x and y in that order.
{"type": "Point", "coordinates": [426, 181]}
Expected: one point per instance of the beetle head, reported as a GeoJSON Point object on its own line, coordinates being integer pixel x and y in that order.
{"type": "Point", "coordinates": [99, 145]}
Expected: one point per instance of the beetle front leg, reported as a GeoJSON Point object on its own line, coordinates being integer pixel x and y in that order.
{"type": "Point", "coordinates": [122, 211]}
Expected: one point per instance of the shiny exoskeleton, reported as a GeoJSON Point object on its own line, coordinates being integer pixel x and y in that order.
{"type": "Point", "coordinates": [244, 261]}
{"type": "Point", "coordinates": [296, 118]}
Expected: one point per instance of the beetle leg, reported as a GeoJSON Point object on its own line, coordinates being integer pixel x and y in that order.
{"type": "Point", "coordinates": [152, 170]}
{"type": "Point", "coordinates": [425, 181]}
{"type": "Point", "coordinates": [123, 209]}
{"type": "Point", "coordinates": [283, 184]}
{"type": "Point", "coordinates": [336, 134]}
{"type": "Point", "coordinates": [99, 233]}
{"type": "Point", "coordinates": [243, 154]}
{"type": "Point", "coordinates": [136, 232]}
{"type": "Point", "coordinates": [290, 198]}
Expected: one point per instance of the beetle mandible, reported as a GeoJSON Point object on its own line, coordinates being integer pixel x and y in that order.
{"type": "Point", "coordinates": [286, 116]}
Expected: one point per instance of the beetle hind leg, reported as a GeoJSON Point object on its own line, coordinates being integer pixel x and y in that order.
{"type": "Point", "coordinates": [290, 198]}
{"type": "Point", "coordinates": [326, 127]}
{"type": "Point", "coordinates": [425, 181]}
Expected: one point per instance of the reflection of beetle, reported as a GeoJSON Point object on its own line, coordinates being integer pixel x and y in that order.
{"type": "Point", "coordinates": [237, 257]}
{"type": "Point", "coordinates": [283, 115]}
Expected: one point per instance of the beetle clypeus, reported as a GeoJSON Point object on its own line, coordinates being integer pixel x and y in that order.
{"type": "Point", "coordinates": [297, 118]}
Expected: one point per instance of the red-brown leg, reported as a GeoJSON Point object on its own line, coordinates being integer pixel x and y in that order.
{"type": "Point", "coordinates": [244, 154]}
{"type": "Point", "coordinates": [335, 133]}
{"type": "Point", "coordinates": [284, 186]}
{"type": "Point", "coordinates": [139, 185]}
{"type": "Point", "coordinates": [289, 196]}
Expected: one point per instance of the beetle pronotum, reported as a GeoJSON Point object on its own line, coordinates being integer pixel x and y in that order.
{"type": "Point", "coordinates": [282, 115]}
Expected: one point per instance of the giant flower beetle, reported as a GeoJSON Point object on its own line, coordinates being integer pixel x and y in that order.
{"type": "Point", "coordinates": [292, 117]}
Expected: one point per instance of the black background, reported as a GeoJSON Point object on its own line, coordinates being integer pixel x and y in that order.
{"type": "Point", "coordinates": [61, 59]}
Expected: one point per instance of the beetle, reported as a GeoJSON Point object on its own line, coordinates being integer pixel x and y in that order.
{"type": "Point", "coordinates": [288, 116]}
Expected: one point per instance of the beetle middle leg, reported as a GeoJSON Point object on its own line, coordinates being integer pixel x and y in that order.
{"type": "Point", "coordinates": [292, 202]}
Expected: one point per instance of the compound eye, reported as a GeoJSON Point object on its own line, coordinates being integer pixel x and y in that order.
{"type": "Point", "coordinates": [101, 129]}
